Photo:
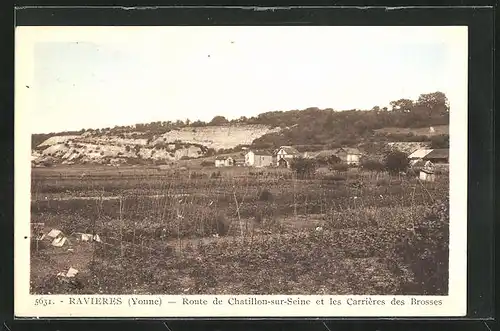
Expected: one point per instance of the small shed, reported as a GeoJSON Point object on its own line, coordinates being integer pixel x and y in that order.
{"type": "Point", "coordinates": [427, 175]}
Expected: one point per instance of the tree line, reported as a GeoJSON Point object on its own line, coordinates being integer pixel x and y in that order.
{"type": "Point", "coordinates": [311, 126]}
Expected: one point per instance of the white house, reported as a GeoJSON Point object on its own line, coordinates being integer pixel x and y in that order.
{"type": "Point", "coordinates": [224, 161]}
{"type": "Point", "coordinates": [259, 159]}
{"type": "Point", "coordinates": [285, 154]}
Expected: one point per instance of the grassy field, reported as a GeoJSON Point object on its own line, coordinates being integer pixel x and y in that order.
{"type": "Point", "coordinates": [240, 231]}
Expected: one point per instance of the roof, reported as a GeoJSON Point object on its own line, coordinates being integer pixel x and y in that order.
{"type": "Point", "coordinates": [290, 150]}
{"type": "Point", "coordinates": [323, 153]}
{"type": "Point", "coordinates": [427, 171]}
{"type": "Point", "coordinates": [348, 150]}
{"type": "Point", "coordinates": [223, 157]}
{"type": "Point", "coordinates": [419, 153]}
{"type": "Point", "coordinates": [408, 146]}
{"type": "Point", "coordinates": [438, 154]}
{"type": "Point", "coordinates": [262, 152]}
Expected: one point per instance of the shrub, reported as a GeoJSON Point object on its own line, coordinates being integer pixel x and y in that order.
{"type": "Point", "coordinates": [303, 167]}
{"type": "Point", "coordinates": [372, 165]}
{"type": "Point", "coordinates": [396, 162]}
{"type": "Point", "coordinates": [425, 250]}
{"type": "Point", "coordinates": [340, 167]}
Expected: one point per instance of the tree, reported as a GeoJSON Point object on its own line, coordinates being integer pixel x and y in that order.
{"type": "Point", "coordinates": [218, 120]}
{"type": "Point", "coordinates": [198, 123]}
{"type": "Point", "coordinates": [402, 105]}
{"type": "Point", "coordinates": [376, 108]}
{"type": "Point", "coordinates": [436, 101]}
{"type": "Point", "coordinates": [440, 141]}
{"type": "Point", "coordinates": [396, 161]}
{"type": "Point", "coordinates": [303, 167]}
{"type": "Point", "coordinates": [372, 165]}
{"type": "Point", "coordinates": [329, 160]}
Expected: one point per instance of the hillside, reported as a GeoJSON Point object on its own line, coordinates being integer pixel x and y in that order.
{"type": "Point", "coordinates": [424, 120]}
{"type": "Point", "coordinates": [104, 147]}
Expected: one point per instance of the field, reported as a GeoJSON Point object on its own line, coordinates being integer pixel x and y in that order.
{"type": "Point", "coordinates": [438, 130]}
{"type": "Point", "coordinates": [239, 231]}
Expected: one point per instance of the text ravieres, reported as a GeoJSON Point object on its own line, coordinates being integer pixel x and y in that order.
{"type": "Point", "coordinates": [95, 301]}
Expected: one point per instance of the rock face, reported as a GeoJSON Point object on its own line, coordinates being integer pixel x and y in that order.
{"type": "Point", "coordinates": [106, 148]}
{"type": "Point", "coordinates": [217, 137]}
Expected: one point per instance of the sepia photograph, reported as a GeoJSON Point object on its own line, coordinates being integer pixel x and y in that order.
{"type": "Point", "coordinates": [242, 160]}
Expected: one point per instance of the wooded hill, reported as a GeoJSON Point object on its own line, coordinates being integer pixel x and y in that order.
{"type": "Point", "coordinates": [315, 128]}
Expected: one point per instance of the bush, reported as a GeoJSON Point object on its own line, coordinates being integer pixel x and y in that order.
{"type": "Point", "coordinates": [372, 165]}
{"type": "Point", "coordinates": [340, 167]}
{"type": "Point", "coordinates": [425, 250]}
{"type": "Point", "coordinates": [303, 167]}
{"type": "Point", "coordinates": [207, 163]}
{"type": "Point", "coordinates": [396, 162]}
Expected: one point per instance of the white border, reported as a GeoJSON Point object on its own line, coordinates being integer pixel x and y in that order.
{"type": "Point", "coordinates": [24, 304]}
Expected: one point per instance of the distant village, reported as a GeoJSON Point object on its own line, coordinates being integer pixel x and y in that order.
{"type": "Point", "coordinates": [425, 159]}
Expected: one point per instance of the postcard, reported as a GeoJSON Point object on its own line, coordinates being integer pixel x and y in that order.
{"type": "Point", "coordinates": [243, 171]}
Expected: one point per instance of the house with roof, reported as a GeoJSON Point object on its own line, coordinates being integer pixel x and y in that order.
{"type": "Point", "coordinates": [224, 161]}
{"type": "Point", "coordinates": [285, 154]}
{"type": "Point", "coordinates": [438, 156]}
{"type": "Point", "coordinates": [258, 158]}
{"type": "Point", "coordinates": [348, 155]}
{"type": "Point", "coordinates": [418, 155]}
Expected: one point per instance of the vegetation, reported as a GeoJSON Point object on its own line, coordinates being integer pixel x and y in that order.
{"type": "Point", "coordinates": [303, 167]}
{"type": "Point", "coordinates": [380, 234]}
{"type": "Point", "coordinates": [396, 162]}
{"type": "Point", "coordinates": [312, 128]}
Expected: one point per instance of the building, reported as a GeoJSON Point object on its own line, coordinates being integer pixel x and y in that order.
{"type": "Point", "coordinates": [418, 155]}
{"type": "Point", "coordinates": [287, 153]}
{"type": "Point", "coordinates": [348, 155]}
{"type": "Point", "coordinates": [326, 153]}
{"type": "Point", "coordinates": [224, 161]}
{"type": "Point", "coordinates": [240, 162]}
{"type": "Point", "coordinates": [427, 175]}
{"type": "Point", "coordinates": [259, 159]}
{"type": "Point", "coordinates": [408, 147]}
{"type": "Point", "coordinates": [438, 156]}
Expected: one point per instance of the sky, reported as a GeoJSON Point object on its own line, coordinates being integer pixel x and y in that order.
{"type": "Point", "coordinates": [101, 76]}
